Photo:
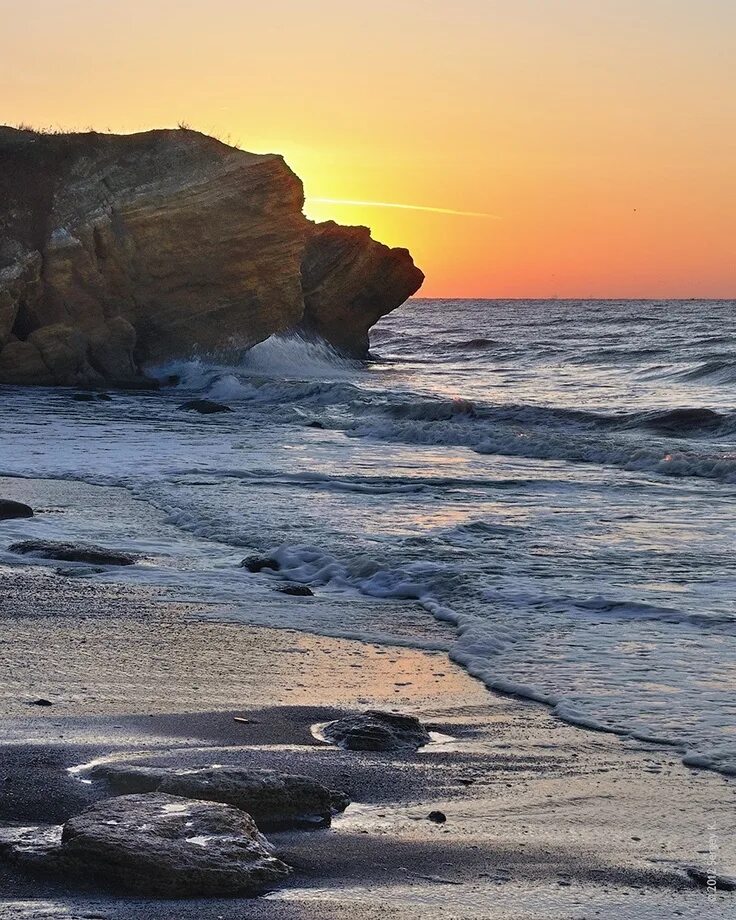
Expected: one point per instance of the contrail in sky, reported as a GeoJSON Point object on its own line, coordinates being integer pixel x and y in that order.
{"type": "Point", "coordinates": [406, 207]}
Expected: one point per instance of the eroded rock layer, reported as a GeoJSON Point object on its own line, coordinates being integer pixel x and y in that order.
{"type": "Point", "coordinates": [120, 251]}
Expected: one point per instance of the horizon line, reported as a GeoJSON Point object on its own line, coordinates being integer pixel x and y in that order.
{"type": "Point", "coordinates": [575, 298]}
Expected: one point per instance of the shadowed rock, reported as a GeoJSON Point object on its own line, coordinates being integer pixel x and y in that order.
{"type": "Point", "coordinates": [116, 251]}
{"type": "Point", "coordinates": [709, 879]}
{"type": "Point", "coordinates": [10, 509]}
{"type": "Point", "coordinates": [378, 731]}
{"type": "Point", "coordinates": [155, 844]}
{"type": "Point", "coordinates": [296, 590]}
{"type": "Point", "coordinates": [437, 817]}
{"type": "Point", "coordinates": [31, 847]}
{"type": "Point", "coordinates": [259, 563]}
{"type": "Point", "coordinates": [273, 799]}
{"type": "Point", "coordinates": [91, 397]}
{"type": "Point", "coordinates": [71, 552]}
{"type": "Point", "coordinates": [204, 406]}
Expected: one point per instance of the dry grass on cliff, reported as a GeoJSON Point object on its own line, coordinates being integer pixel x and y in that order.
{"type": "Point", "coordinates": [56, 131]}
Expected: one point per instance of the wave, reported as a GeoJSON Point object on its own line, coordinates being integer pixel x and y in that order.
{"type": "Point", "coordinates": [630, 610]}
{"type": "Point", "coordinates": [479, 344]}
{"type": "Point", "coordinates": [721, 371]}
{"type": "Point", "coordinates": [281, 357]}
{"type": "Point", "coordinates": [369, 485]}
{"type": "Point", "coordinates": [684, 422]}
{"type": "Point", "coordinates": [544, 443]}
{"type": "Point", "coordinates": [479, 641]}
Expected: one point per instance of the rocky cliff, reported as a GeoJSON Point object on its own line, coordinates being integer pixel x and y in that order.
{"type": "Point", "coordinates": [117, 252]}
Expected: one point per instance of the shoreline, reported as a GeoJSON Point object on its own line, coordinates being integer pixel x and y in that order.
{"type": "Point", "coordinates": [440, 628]}
{"type": "Point", "coordinates": [541, 814]}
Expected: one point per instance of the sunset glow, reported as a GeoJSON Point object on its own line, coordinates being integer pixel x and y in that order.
{"type": "Point", "coordinates": [602, 134]}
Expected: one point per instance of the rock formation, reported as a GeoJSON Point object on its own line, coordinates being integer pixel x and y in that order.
{"type": "Point", "coordinates": [121, 251]}
{"type": "Point", "coordinates": [272, 799]}
{"type": "Point", "coordinates": [374, 730]}
{"type": "Point", "coordinates": [153, 844]}
{"type": "Point", "coordinates": [71, 552]}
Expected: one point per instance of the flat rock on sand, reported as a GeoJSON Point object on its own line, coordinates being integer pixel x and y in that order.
{"type": "Point", "coordinates": [374, 730]}
{"type": "Point", "coordinates": [159, 845]}
{"type": "Point", "coordinates": [71, 552]}
{"type": "Point", "coordinates": [273, 799]}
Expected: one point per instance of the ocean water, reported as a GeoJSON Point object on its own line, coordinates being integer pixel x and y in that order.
{"type": "Point", "coordinates": [544, 489]}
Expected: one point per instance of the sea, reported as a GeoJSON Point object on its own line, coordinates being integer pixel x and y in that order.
{"type": "Point", "coordinates": [544, 490]}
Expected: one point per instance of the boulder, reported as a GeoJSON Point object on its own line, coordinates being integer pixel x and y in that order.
{"type": "Point", "coordinates": [296, 590]}
{"type": "Point", "coordinates": [154, 844]}
{"type": "Point", "coordinates": [120, 251]}
{"type": "Point", "coordinates": [10, 509]}
{"type": "Point", "coordinates": [111, 350]}
{"type": "Point", "coordinates": [71, 552]}
{"type": "Point", "coordinates": [21, 363]}
{"type": "Point", "coordinates": [274, 800]}
{"type": "Point", "coordinates": [31, 847]}
{"type": "Point", "coordinates": [378, 731]}
{"type": "Point", "coordinates": [259, 563]}
{"type": "Point", "coordinates": [63, 349]}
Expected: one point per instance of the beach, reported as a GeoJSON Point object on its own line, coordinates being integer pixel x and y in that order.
{"type": "Point", "coordinates": [440, 532]}
{"type": "Point", "coordinates": [543, 819]}
{"type": "Point", "coordinates": [368, 461]}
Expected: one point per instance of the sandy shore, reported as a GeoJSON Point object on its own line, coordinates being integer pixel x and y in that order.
{"type": "Point", "coordinates": [544, 820]}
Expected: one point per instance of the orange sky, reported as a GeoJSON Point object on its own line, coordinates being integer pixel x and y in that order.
{"type": "Point", "coordinates": [601, 134]}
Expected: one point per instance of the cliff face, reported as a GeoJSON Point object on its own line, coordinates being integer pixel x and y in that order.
{"type": "Point", "coordinates": [116, 251]}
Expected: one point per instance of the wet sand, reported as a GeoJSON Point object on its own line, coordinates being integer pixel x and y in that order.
{"type": "Point", "coordinates": [543, 819]}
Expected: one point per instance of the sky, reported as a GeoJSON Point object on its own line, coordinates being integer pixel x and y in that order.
{"type": "Point", "coordinates": [569, 148]}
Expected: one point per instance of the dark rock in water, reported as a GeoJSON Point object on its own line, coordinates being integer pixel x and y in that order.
{"type": "Point", "coordinates": [71, 552]}
{"type": "Point", "coordinates": [437, 817]}
{"type": "Point", "coordinates": [10, 509]}
{"type": "Point", "coordinates": [378, 731]}
{"type": "Point", "coordinates": [316, 424]}
{"type": "Point", "coordinates": [204, 406]}
{"type": "Point", "coordinates": [116, 251]}
{"type": "Point", "coordinates": [41, 702]}
{"type": "Point", "coordinates": [167, 845]}
{"type": "Point", "coordinates": [296, 590]}
{"type": "Point", "coordinates": [273, 799]}
{"type": "Point", "coordinates": [91, 397]}
{"type": "Point", "coordinates": [259, 563]}
{"type": "Point", "coordinates": [79, 571]}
